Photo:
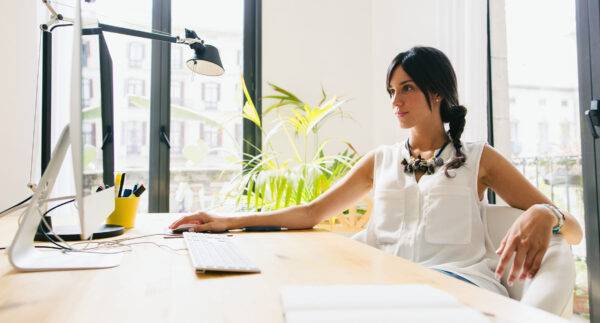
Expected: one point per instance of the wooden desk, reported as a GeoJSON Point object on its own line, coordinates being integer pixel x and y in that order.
{"type": "Point", "coordinates": [157, 285]}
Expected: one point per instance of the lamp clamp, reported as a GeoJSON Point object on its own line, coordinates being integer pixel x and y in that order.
{"type": "Point", "coordinates": [55, 17]}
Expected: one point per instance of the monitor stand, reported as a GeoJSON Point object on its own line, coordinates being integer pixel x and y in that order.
{"type": "Point", "coordinates": [22, 253]}
{"type": "Point", "coordinates": [73, 233]}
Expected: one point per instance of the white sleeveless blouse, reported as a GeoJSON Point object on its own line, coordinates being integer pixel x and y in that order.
{"type": "Point", "coordinates": [436, 222]}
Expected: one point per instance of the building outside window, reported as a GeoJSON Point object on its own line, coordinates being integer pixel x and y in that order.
{"type": "Point", "coordinates": [87, 91]}
{"type": "Point", "coordinates": [543, 107]}
{"type": "Point", "coordinates": [136, 54]}
{"type": "Point", "coordinates": [177, 92]}
{"type": "Point", "coordinates": [134, 136]}
{"type": "Point", "coordinates": [212, 136]}
{"type": "Point", "coordinates": [543, 143]}
{"type": "Point", "coordinates": [135, 87]}
{"type": "Point", "coordinates": [176, 57]}
{"type": "Point", "coordinates": [177, 136]}
{"type": "Point", "coordinates": [89, 133]}
{"type": "Point", "coordinates": [85, 53]}
{"type": "Point", "coordinates": [211, 93]}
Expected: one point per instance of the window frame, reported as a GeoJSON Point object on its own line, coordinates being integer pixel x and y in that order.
{"type": "Point", "coordinates": [160, 97]}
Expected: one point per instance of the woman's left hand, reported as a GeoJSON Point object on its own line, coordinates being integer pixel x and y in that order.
{"type": "Point", "coordinates": [528, 237]}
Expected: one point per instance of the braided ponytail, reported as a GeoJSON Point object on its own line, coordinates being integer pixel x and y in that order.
{"type": "Point", "coordinates": [455, 116]}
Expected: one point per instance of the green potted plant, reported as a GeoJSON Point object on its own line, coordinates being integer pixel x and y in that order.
{"type": "Point", "coordinates": [273, 181]}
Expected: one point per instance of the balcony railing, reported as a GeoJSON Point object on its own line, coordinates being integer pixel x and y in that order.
{"type": "Point", "coordinates": [558, 177]}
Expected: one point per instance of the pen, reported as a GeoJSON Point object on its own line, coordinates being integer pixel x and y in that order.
{"type": "Point", "coordinates": [139, 190]}
{"type": "Point", "coordinates": [121, 184]}
{"type": "Point", "coordinates": [261, 228]}
{"type": "Point", "coordinates": [117, 181]}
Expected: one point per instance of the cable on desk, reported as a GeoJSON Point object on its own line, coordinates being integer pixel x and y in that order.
{"type": "Point", "coordinates": [16, 205]}
{"type": "Point", "coordinates": [49, 229]}
{"type": "Point", "coordinates": [119, 243]}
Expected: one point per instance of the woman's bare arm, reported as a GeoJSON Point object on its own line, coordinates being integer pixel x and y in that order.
{"type": "Point", "coordinates": [499, 174]}
{"type": "Point", "coordinates": [529, 236]}
{"type": "Point", "coordinates": [350, 189]}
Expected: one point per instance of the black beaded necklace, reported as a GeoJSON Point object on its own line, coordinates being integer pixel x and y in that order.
{"type": "Point", "coordinates": [420, 165]}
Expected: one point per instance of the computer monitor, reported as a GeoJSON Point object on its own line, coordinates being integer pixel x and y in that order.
{"type": "Point", "coordinates": [92, 209]}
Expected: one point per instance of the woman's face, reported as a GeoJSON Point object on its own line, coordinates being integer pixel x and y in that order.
{"type": "Point", "coordinates": [408, 102]}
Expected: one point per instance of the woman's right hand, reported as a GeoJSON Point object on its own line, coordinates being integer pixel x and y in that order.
{"type": "Point", "coordinates": [204, 221]}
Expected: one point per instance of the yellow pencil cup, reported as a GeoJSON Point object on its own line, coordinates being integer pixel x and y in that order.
{"type": "Point", "coordinates": [125, 212]}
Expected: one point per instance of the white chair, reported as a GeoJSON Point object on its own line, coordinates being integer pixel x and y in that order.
{"type": "Point", "coordinates": [552, 287]}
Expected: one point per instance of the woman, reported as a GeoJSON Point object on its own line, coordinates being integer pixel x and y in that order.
{"type": "Point", "coordinates": [429, 190]}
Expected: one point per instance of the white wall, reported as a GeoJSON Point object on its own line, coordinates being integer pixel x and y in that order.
{"type": "Point", "coordinates": [347, 46]}
{"type": "Point", "coordinates": [20, 35]}
{"type": "Point", "coordinates": [307, 44]}
{"type": "Point", "coordinates": [455, 27]}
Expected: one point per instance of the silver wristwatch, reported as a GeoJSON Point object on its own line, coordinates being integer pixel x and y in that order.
{"type": "Point", "coordinates": [560, 217]}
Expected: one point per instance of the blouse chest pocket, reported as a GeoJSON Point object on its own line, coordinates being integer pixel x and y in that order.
{"type": "Point", "coordinates": [447, 211]}
{"type": "Point", "coordinates": [388, 213]}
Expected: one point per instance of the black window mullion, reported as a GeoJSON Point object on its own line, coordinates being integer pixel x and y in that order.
{"type": "Point", "coordinates": [588, 47]}
{"type": "Point", "coordinates": [490, 111]}
{"type": "Point", "coordinates": [160, 112]}
{"type": "Point", "coordinates": [252, 75]}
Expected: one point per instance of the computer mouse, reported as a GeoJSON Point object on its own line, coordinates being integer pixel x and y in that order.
{"type": "Point", "coordinates": [182, 228]}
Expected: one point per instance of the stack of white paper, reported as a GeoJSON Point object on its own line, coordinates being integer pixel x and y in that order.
{"type": "Point", "coordinates": [374, 303]}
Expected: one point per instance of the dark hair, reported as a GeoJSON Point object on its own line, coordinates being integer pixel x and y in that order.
{"type": "Point", "coordinates": [432, 72]}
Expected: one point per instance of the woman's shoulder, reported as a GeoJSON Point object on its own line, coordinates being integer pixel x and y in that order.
{"type": "Point", "coordinates": [386, 153]}
{"type": "Point", "coordinates": [473, 150]}
{"type": "Point", "coordinates": [385, 148]}
{"type": "Point", "coordinates": [480, 144]}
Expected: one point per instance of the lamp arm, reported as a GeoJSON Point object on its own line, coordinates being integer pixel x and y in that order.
{"type": "Point", "coordinates": [137, 33]}
{"type": "Point", "coordinates": [55, 17]}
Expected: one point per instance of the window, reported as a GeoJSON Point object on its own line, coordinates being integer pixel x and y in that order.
{"type": "Point", "coordinates": [211, 93]}
{"type": "Point", "coordinates": [177, 92]}
{"type": "Point", "coordinates": [543, 138]}
{"type": "Point", "coordinates": [89, 133]}
{"type": "Point", "coordinates": [135, 137]}
{"type": "Point", "coordinates": [135, 87]}
{"type": "Point", "coordinates": [565, 134]}
{"type": "Point", "coordinates": [514, 137]}
{"type": "Point", "coordinates": [176, 57]}
{"type": "Point", "coordinates": [177, 136]}
{"type": "Point", "coordinates": [226, 26]}
{"type": "Point", "coordinates": [87, 91]}
{"type": "Point", "coordinates": [199, 101]}
{"type": "Point", "coordinates": [238, 130]}
{"type": "Point", "coordinates": [211, 135]}
{"type": "Point", "coordinates": [136, 55]}
{"type": "Point", "coordinates": [85, 53]}
{"type": "Point", "coordinates": [545, 129]}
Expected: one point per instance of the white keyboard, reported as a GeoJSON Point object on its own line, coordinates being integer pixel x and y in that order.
{"type": "Point", "coordinates": [216, 252]}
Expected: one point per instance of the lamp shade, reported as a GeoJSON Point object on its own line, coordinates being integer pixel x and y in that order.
{"type": "Point", "coordinates": [206, 61]}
